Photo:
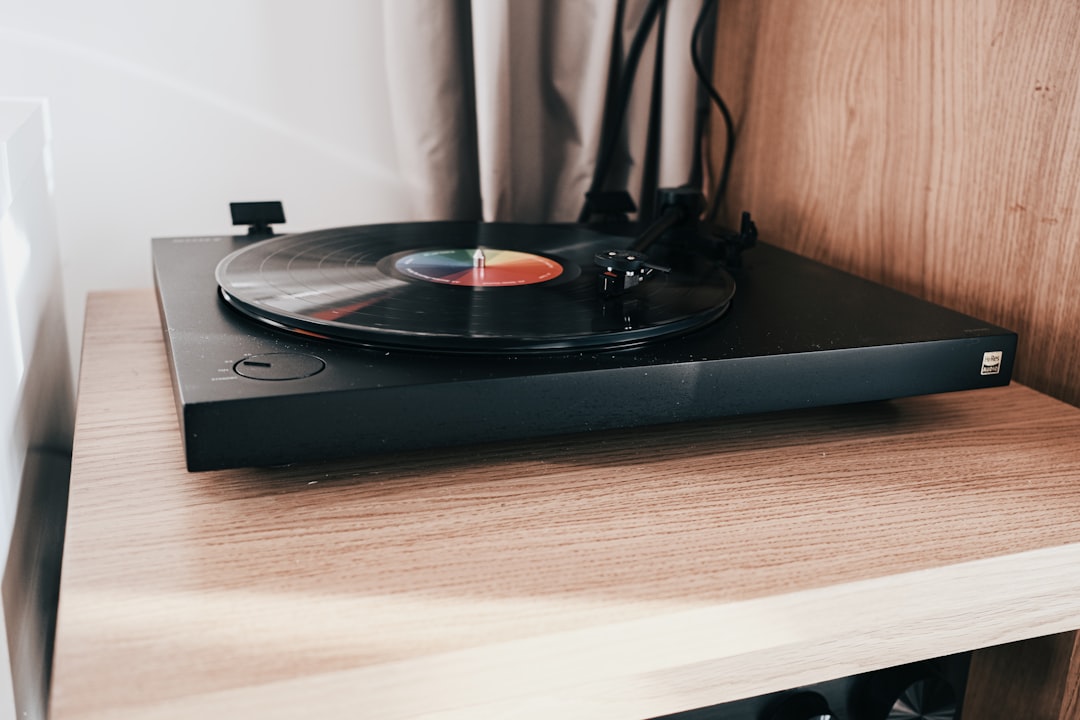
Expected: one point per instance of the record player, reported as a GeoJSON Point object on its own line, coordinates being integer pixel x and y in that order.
{"type": "Point", "coordinates": [352, 341]}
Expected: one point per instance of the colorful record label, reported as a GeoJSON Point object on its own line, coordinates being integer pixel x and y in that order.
{"type": "Point", "coordinates": [478, 267]}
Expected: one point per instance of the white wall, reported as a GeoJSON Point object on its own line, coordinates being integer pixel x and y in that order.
{"type": "Point", "coordinates": [162, 112]}
{"type": "Point", "coordinates": [35, 410]}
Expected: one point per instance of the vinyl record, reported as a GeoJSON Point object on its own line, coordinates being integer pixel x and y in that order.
{"type": "Point", "coordinates": [466, 287]}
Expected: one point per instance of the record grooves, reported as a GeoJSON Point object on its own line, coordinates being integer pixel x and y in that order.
{"type": "Point", "coordinates": [465, 288]}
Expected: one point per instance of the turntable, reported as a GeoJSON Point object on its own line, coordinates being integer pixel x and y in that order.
{"type": "Point", "coordinates": [352, 341]}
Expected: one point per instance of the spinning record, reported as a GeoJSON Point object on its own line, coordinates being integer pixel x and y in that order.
{"type": "Point", "coordinates": [466, 287]}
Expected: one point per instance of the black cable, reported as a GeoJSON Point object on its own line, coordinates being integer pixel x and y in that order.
{"type": "Point", "coordinates": [611, 89]}
{"type": "Point", "coordinates": [626, 84]}
{"type": "Point", "coordinates": [729, 124]}
{"type": "Point", "coordinates": [650, 167]}
{"type": "Point", "coordinates": [671, 217]}
{"type": "Point", "coordinates": [702, 106]}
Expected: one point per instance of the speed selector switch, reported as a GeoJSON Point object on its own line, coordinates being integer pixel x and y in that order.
{"type": "Point", "coordinates": [802, 705]}
{"type": "Point", "coordinates": [279, 366]}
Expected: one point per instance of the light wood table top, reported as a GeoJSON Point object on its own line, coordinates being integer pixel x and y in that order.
{"type": "Point", "coordinates": [610, 575]}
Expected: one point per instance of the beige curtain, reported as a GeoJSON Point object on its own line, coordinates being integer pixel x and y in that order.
{"type": "Point", "coordinates": [497, 104]}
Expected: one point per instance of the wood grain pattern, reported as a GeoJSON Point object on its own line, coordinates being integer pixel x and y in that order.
{"type": "Point", "coordinates": [1041, 682]}
{"type": "Point", "coordinates": [932, 145]}
{"type": "Point", "coordinates": [618, 574]}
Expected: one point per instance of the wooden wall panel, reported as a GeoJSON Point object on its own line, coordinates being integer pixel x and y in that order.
{"type": "Point", "coordinates": [1040, 680]}
{"type": "Point", "coordinates": [932, 145]}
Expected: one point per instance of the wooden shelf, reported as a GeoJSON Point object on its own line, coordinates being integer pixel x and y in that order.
{"type": "Point", "coordinates": [610, 575]}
